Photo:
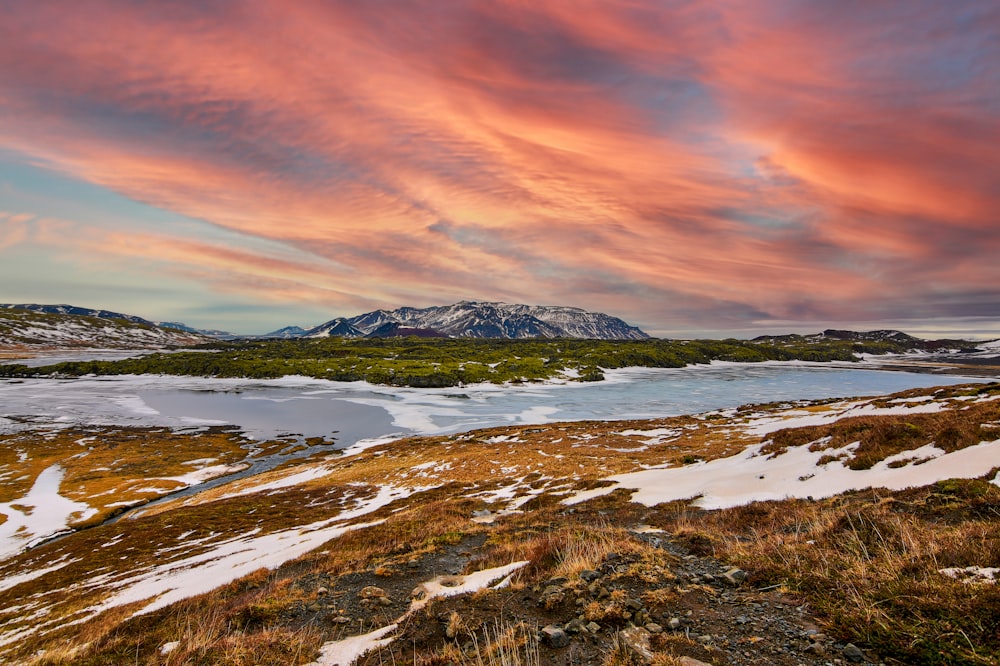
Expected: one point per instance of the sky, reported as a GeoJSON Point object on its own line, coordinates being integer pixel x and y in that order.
{"type": "Point", "coordinates": [732, 167]}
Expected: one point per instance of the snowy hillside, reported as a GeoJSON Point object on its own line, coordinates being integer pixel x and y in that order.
{"type": "Point", "coordinates": [27, 329]}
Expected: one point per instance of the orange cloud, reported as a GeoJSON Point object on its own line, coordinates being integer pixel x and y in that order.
{"type": "Point", "coordinates": [754, 158]}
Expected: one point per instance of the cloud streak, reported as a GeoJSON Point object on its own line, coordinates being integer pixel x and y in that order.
{"type": "Point", "coordinates": [685, 165]}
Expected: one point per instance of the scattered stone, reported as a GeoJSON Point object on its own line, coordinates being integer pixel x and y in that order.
{"type": "Point", "coordinates": [674, 623]}
{"type": "Point", "coordinates": [633, 604]}
{"type": "Point", "coordinates": [554, 636]}
{"type": "Point", "coordinates": [371, 592]}
{"type": "Point", "coordinates": [321, 590]}
{"type": "Point", "coordinates": [551, 597]}
{"type": "Point", "coordinates": [576, 626]}
{"type": "Point", "coordinates": [854, 653]}
{"type": "Point", "coordinates": [593, 627]}
{"type": "Point", "coordinates": [341, 619]}
{"type": "Point", "coordinates": [636, 641]}
{"type": "Point", "coordinates": [691, 661]}
{"type": "Point", "coordinates": [589, 575]}
{"type": "Point", "coordinates": [653, 628]}
{"type": "Point", "coordinates": [735, 576]}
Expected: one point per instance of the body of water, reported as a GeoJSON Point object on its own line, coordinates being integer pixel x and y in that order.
{"type": "Point", "coordinates": [353, 412]}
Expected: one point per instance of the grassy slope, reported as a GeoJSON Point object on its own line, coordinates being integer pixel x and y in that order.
{"type": "Point", "coordinates": [867, 562]}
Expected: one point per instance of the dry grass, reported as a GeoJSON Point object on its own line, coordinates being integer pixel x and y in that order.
{"type": "Point", "coordinates": [107, 467]}
{"type": "Point", "coordinates": [868, 563]}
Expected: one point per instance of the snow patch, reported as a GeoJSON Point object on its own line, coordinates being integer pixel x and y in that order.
{"type": "Point", "coordinates": [751, 476]}
{"type": "Point", "coordinates": [972, 575]}
{"type": "Point", "coordinates": [347, 650]}
{"type": "Point", "coordinates": [234, 558]}
{"type": "Point", "coordinates": [42, 513]}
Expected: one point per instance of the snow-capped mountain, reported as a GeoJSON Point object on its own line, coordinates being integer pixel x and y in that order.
{"type": "Point", "coordinates": [64, 326]}
{"type": "Point", "coordinates": [339, 327]}
{"type": "Point", "coordinates": [286, 333]}
{"type": "Point", "coordinates": [64, 309]}
{"type": "Point", "coordinates": [472, 319]}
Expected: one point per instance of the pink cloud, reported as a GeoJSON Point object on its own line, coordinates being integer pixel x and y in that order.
{"type": "Point", "coordinates": [758, 158]}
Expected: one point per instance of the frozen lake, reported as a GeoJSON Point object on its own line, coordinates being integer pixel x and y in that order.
{"type": "Point", "coordinates": [353, 412]}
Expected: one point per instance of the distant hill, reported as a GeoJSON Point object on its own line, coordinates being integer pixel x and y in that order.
{"type": "Point", "coordinates": [879, 341]}
{"type": "Point", "coordinates": [33, 326]}
{"type": "Point", "coordinates": [286, 333]}
{"type": "Point", "coordinates": [473, 319]}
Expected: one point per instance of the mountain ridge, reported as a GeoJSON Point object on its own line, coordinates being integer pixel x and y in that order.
{"type": "Point", "coordinates": [485, 319]}
{"type": "Point", "coordinates": [65, 326]}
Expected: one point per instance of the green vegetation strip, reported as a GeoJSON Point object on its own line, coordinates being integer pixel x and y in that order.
{"type": "Point", "coordinates": [421, 362]}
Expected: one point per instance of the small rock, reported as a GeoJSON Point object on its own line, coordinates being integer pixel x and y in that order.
{"type": "Point", "coordinates": [371, 592]}
{"type": "Point", "coordinates": [576, 626]}
{"type": "Point", "coordinates": [735, 576]}
{"type": "Point", "coordinates": [653, 628]}
{"type": "Point", "coordinates": [554, 636]}
{"type": "Point", "coordinates": [814, 648]}
{"type": "Point", "coordinates": [691, 661]}
{"type": "Point", "coordinates": [385, 601]}
{"type": "Point", "coordinates": [321, 590]}
{"type": "Point", "coordinates": [633, 604]}
{"type": "Point", "coordinates": [674, 623]}
{"type": "Point", "coordinates": [854, 653]}
{"type": "Point", "coordinates": [708, 578]}
{"type": "Point", "coordinates": [341, 619]}
{"type": "Point", "coordinates": [589, 575]}
{"type": "Point", "coordinates": [636, 640]}
{"type": "Point", "coordinates": [593, 627]}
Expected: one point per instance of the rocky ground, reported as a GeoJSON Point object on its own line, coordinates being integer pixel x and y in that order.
{"type": "Point", "coordinates": [698, 609]}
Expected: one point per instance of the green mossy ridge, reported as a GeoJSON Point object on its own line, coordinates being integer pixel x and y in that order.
{"type": "Point", "coordinates": [420, 362]}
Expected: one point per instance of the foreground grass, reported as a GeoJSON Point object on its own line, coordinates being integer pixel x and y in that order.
{"type": "Point", "coordinates": [869, 563]}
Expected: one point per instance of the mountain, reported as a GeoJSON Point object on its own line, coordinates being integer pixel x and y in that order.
{"type": "Point", "coordinates": [286, 333]}
{"type": "Point", "coordinates": [212, 333]}
{"type": "Point", "coordinates": [871, 336]}
{"type": "Point", "coordinates": [64, 309]}
{"type": "Point", "coordinates": [67, 326]}
{"type": "Point", "coordinates": [880, 341]}
{"type": "Point", "coordinates": [473, 319]}
{"type": "Point", "coordinates": [338, 328]}
{"type": "Point", "coordinates": [75, 310]}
